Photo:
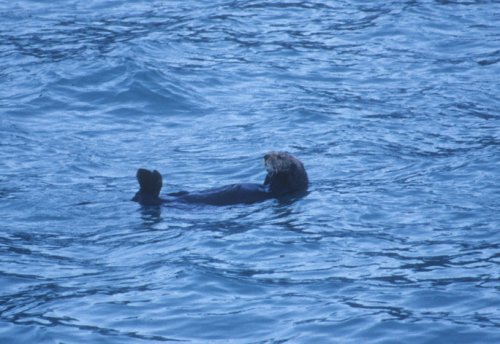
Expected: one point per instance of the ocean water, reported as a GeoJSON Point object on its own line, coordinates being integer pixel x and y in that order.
{"type": "Point", "coordinates": [393, 106]}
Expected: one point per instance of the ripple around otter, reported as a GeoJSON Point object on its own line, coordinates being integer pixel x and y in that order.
{"type": "Point", "coordinates": [392, 107]}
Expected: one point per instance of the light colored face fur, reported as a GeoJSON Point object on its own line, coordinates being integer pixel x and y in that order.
{"type": "Point", "coordinates": [276, 162]}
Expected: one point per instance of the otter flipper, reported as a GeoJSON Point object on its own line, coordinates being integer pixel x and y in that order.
{"type": "Point", "coordinates": [150, 183]}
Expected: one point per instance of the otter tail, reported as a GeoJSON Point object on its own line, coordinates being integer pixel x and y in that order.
{"type": "Point", "coordinates": [150, 183]}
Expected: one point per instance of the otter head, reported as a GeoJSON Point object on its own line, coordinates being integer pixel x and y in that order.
{"type": "Point", "coordinates": [285, 173]}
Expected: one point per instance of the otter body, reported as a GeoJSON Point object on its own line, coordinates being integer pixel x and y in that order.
{"type": "Point", "coordinates": [285, 175]}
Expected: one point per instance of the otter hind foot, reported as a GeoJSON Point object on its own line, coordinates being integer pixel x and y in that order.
{"type": "Point", "coordinates": [150, 182]}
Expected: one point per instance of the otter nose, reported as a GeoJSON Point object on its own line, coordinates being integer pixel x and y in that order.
{"type": "Point", "coordinates": [267, 156]}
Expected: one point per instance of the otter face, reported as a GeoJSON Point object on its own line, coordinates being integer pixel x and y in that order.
{"type": "Point", "coordinates": [285, 173]}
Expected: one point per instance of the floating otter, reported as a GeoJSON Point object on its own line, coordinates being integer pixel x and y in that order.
{"type": "Point", "coordinates": [285, 176]}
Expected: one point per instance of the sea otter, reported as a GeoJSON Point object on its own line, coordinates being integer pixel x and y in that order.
{"type": "Point", "coordinates": [286, 175]}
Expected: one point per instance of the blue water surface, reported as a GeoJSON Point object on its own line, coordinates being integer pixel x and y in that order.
{"type": "Point", "coordinates": [393, 106]}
